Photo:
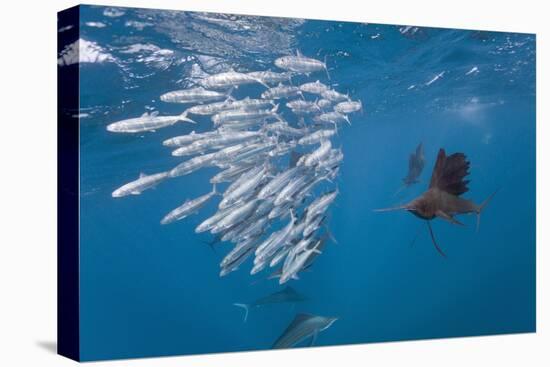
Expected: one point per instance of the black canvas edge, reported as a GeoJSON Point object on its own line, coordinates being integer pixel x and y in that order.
{"type": "Point", "coordinates": [68, 278]}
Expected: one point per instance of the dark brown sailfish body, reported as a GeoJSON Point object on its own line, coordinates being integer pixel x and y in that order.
{"type": "Point", "coordinates": [442, 199]}
{"type": "Point", "coordinates": [446, 185]}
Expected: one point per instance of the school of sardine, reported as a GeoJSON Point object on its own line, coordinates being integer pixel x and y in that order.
{"type": "Point", "coordinates": [270, 160]}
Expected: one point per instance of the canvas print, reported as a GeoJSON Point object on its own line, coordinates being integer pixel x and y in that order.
{"type": "Point", "coordinates": [236, 183]}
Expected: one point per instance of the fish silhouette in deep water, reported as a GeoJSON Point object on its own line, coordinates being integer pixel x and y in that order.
{"type": "Point", "coordinates": [216, 240]}
{"type": "Point", "coordinates": [416, 165]}
{"type": "Point", "coordinates": [442, 199]}
{"type": "Point", "coordinates": [287, 295]}
{"type": "Point", "coordinates": [302, 327]}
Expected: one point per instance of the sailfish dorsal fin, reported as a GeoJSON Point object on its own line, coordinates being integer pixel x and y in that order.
{"type": "Point", "coordinates": [420, 150]}
{"type": "Point", "coordinates": [449, 173]}
{"type": "Point", "coordinates": [412, 160]}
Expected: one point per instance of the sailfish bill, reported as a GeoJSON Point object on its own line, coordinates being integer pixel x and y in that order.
{"type": "Point", "coordinates": [392, 209]}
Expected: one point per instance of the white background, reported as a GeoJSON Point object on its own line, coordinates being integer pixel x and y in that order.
{"type": "Point", "coordinates": [28, 183]}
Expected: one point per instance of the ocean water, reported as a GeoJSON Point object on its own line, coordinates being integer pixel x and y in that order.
{"type": "Point", "coordinates": [152, 290]}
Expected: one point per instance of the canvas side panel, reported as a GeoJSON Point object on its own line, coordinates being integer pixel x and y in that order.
{"type": "Point", "coordinates": [68, 331]}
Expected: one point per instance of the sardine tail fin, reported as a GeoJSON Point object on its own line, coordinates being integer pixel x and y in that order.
{"type": "Point", "coordinates": [290, 79]}
{"type": "Point", "coordinates": [245, 307]}
{"type": "Point", "coordinates": [183, 117]}
{"type": "Point", "coordinates": [262, 83]}
{"type": "Point", "coordinates": [347, 119]}
{"type": "Point", "coordinates": [326, 68]}
{"type": "Point", "coordinates": [329, 234]}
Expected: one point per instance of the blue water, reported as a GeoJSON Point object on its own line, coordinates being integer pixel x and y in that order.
{"type": "Point", "coordinates": [149, 290]}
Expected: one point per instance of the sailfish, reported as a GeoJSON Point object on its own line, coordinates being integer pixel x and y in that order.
{"type": "Point", "coordinates": [416, 165]}
{"type": "Point", "coordinates": [303, 326]}
{"type": "Point", "coordinates": [443, 197]}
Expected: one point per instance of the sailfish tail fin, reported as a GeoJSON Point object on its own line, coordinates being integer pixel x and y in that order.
{"type": "Point", "coordinates": [482, 206]}
{"type": "Point", "coordinates": [245, 307]}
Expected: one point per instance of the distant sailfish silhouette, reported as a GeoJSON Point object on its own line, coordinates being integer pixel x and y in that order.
{"type": "Point", "coordinates": [416, 165]}
{"type": "Point", "coordinates": [287, 295]}
{"type": "Point", "coordinates": [442, 199]}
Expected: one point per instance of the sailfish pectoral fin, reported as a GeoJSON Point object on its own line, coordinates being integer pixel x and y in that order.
{"type": "Point", "coordinates": [313, 339]}
{"type": "Point", "coordinates": [434, 241]}
{"type": "Point", "coordinates": [449, 218]}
